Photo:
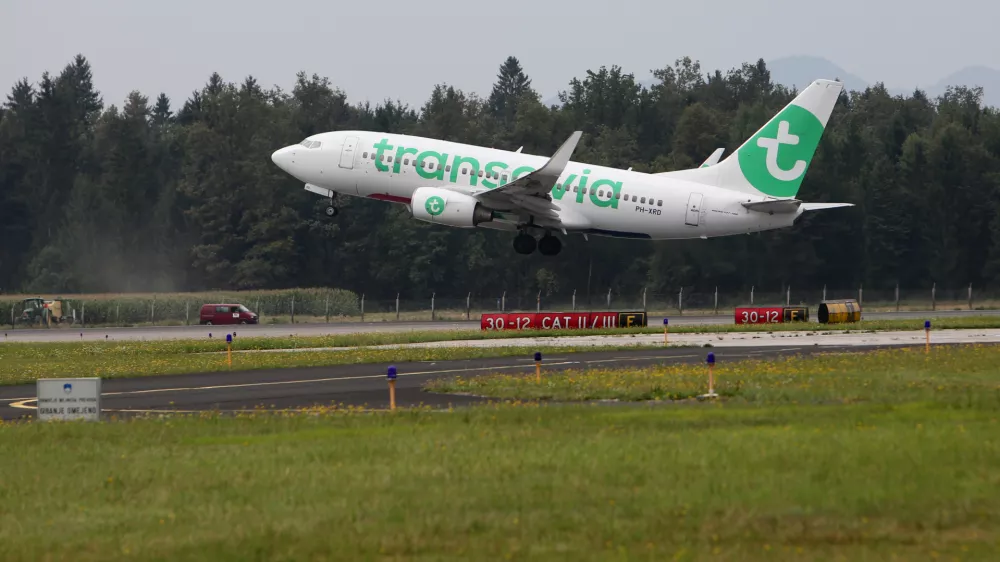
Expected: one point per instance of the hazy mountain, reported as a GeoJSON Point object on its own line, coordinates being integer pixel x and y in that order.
{"type": "Point", "coordinates": [988, 78]}
{"type": "Point", "coordinates": [798, 71]}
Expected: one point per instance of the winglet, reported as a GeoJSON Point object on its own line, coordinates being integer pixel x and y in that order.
{"type": "Point", "coordinates": [519, 149]}
{"type": "Point", "coordinates": [714, 158]}
{"type": "Point", "coordinates": [556, 164]}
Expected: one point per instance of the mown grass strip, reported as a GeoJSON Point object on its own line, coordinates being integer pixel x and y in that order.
{"type": "Point", "coordinates": [100, 360]}
{"type": "Point", "coordinates": [966, 373]}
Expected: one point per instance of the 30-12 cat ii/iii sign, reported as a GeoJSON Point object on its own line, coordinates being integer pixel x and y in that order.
{"type": "Point", "coordinates": [562, 320]}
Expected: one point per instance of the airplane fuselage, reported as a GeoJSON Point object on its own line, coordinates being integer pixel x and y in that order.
{"type": "Point", "coordinates": [591, 199]}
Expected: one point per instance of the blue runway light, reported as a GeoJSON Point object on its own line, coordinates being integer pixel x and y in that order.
{"type": "Point", "coordinates": [927, 324]}
{"type": "Point", "coordinates": [538, 356]}
{"type": "Point", "coordinates": [391, 375]}
{"type": "Point", "coordinates": [229, 338]}
{"type": "Point", "coordinates": [711, 358]}
{"type": "Point", "coordinates": [665, 321]}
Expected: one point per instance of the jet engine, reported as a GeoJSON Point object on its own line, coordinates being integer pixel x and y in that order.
{"type": "Point", "coordinates": [450, 208]}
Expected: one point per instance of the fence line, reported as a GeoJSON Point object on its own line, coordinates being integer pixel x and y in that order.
{"type": "Point", "coordinates": [333, 305]}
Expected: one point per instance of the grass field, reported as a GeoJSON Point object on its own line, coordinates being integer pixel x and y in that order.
{"type": "Point", "coordinates": [970, 374]}
{"type": "Point", "coordinates": [23, 363]}
{"type": "Point", "coordinates": [882, 456]}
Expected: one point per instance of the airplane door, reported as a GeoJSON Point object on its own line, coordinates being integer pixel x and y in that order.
{"type": "Point", "coordinates": [693, 210]}
{"type": "Point", "coordinates": [348, 152]}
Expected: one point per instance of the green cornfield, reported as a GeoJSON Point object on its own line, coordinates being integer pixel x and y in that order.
{"type": "Point", "coordinates": [181, 308]}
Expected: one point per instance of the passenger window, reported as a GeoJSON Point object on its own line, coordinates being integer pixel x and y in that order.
{"type": "Point", "coordinates": [633, 198]}
{"type": "Point", "coordinates": [480, 173]}
{"type": "Point", "coordinates": [373, 155]}
{"type": "Point", "coordinates": [382, 158]}
{"type": "Point", "coordinates": [618, 195]}
{"type": "Point", "coordinates": [465, 171]}
{"type": "Point", "coordinates": [447, 168]}
{"type": "Point", "coordinates": [643, 200]}
{"type": "Point", "coordinates": [504, 178]}
{"type": "Point", "coordinates": [659, 203]}
{"type": "Point", "coordinates": [576, 189]}
{"type": "Point", "coordinates": [406, 161]}
{"type": "Point", "coordinates": [365, 155]}
{"type": "Point", "coordinates": [600, 193]}
{"type": "Point", "coordinates": [390, 159]}
{"type": "Point", "coordinates": [558, 186]}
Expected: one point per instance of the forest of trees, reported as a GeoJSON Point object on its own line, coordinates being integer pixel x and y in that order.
{"type": "Point", "coordinates": [151, 195]}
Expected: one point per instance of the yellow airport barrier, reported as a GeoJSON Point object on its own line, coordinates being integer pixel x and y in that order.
{"type": "Point", "coordinates": [839, 312]}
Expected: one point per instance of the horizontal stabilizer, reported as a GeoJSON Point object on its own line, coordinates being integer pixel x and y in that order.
{"type": "Point", "coordinates": [790, 206]}
{"type": "Point", "coordinates": [774, 205]}
{"type": "Point", "coordinates": [821, 206]}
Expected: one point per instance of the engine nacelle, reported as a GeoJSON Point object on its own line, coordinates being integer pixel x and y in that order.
{"type": "Point", "coordinates": [450, 208]}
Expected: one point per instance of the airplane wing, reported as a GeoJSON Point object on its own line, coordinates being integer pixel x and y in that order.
{"type": "Point", "coordinates": [529, 195]}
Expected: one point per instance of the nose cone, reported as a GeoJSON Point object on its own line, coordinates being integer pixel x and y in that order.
{"type": "Point", "coordinates": [283, 158]}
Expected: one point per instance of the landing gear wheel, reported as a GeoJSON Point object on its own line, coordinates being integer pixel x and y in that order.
{"type": "Point", "coordinates": [549, 245]}
{"type": "Point", "coordinates": [524, 244]}
{"type": "Point", "coordinates": [331, 211]}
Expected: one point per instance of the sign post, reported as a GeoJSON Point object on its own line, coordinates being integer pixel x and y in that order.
{"type": "Point", "coordinates": [391, 376]}
{"type": "Point", "coordinates": [665, 322]}
{"type": "Point", "coordinates": [538, 367]}
{"type": "Point", "coordinates": [711, 378]}
{"type": "Point", "coordinates": [69, 399]}
{"type": "Point", "coordinates": [927, 330]}
{"type": "Point", "coordinates": [229, 349]}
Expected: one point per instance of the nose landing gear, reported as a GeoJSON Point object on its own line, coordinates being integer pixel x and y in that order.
{"type": "Point", "coordinates": [331, 211]}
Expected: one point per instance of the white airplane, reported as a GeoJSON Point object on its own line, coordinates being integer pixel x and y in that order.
{"type": "Point", "coordinates": [466, 186]}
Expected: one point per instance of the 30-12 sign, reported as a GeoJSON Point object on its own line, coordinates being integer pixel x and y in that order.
{"type": "Point", "coordinates": [771, 314]}
{"type": "Point", "coordinates": [760, 315]}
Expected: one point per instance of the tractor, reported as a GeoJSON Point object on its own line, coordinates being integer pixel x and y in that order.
{"type": "Point", "coordinates": [40, 311]}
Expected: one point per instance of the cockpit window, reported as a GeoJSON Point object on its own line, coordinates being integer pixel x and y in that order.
{"type": "Point", "coordinates": [310, 144]}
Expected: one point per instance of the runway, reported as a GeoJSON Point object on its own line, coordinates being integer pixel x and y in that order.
{"type": "Point", "coordinates": [188, 332]}
{"type": "Point", "coordinates": [357, 385]}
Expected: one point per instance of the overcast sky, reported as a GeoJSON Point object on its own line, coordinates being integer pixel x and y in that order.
{"type": "Point", "coordinates": [374, 50]}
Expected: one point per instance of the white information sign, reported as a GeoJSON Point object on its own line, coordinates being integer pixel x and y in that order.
{"type": "Point", "coordinates": [69, 399]}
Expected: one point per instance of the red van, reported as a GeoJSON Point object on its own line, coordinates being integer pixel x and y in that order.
{"type": "Point", "coordinates": [226, 314]}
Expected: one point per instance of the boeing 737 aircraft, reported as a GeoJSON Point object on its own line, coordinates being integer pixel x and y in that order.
{"type": "Point", "coordinates": [467, 186]}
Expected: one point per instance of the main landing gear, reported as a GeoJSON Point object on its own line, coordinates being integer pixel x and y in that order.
{"type": "Point", "coordinates": [548, 245]}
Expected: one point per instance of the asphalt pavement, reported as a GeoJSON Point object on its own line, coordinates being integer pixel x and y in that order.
{"type": "Point", "coordinates": [150, 333]}
{"type": "Point", "coordinates": [357, 385]}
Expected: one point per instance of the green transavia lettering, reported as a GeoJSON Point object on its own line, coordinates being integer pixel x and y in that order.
{"type": "Point", "coordinates": [433, 165]}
